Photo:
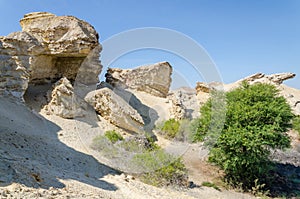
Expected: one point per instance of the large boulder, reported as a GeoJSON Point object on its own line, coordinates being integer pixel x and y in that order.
{"type": "Point", "coordinates": [115, 109]}
{"type": "Point", "coordinates": [48, 48]}
{"type": "Point", "coordinates": [64, 102]}
{"type": "Point", "coordinates": [153, 79]}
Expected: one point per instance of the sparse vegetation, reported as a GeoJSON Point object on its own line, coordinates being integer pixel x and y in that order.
{"type": "Point", "coordinates": [256, 121]}
{"type": "Point", "coordinates": [158, 167]}
{"type": "Point", "coordinates": [113, 136]}
{"type": "Point", "coordinates": [210, 184]}
{"type": "Point", "coordinates": [162, 168]}
{"type": "Point", "coordinates": [170, 128]}
{"type": "Point", "coordinates": [176, 130]}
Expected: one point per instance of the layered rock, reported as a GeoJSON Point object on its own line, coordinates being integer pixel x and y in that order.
{"type": "Point", "coordinates": [15, 62]}
{"type": "Point", "coordinates": [48, 48]}
{"type": "Point", "coordinates": [64, 102]}
{"type": "Point", "coordinates": [115, 109]}
{"type": "Point", "coordinates": [153, 79]}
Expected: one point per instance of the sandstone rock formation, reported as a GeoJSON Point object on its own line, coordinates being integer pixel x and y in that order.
{"type": "Point", "coordinates": [153, 79]}
{"type": "Point", "coordinates": [64, 102]}
{"type": "Point", "coordinates": [202, 87]}
{"type": "Point", "coordinates": [178, 110]}
{"type": "Point", "coordinates": [273, 79]}
{"type": "Point", "coordinates": [291, 95]}
{"type": "Point", "coordinates": [184, 103]}
{"type": "Point", "coordinates": [115, 109]}
{"type": "Point", "coordinates": [203, 92]}
{"type": "Point", "coordinates": [48, 48]}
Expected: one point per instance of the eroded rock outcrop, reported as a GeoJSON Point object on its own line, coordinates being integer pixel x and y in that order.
{"type": "Point", "coordinates": [178, 110]}
{"type": "Point", "coordinates": [202, 87]}
{"type": "Point", "coordinates": [273, 78]}
{"type": "Point", "coordinates": [202, 92]}
{"type": "Point", "coordinates": [64, 102]}
{"type": "Point", "coordinates": [115, 109]}
{"type": "Point", "coordinates": [153, 79]}
{"type": "Point", "coordinates": [48, 48]}
{"type": "Point", "coordinates": [290, 94]}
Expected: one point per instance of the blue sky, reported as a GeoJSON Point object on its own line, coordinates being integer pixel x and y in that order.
{"type": "Point", "coordinates": [241, 37]}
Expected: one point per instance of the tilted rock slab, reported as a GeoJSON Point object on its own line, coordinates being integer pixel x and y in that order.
{"type": "Point", "coordinates": [153, 79]}
{"type": "Point", "coordinates": [115, 109]}
{"type": "Point", "coordinates": [48, 48]}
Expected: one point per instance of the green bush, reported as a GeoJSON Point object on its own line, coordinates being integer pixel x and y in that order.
{"type": "Point", "coordinates": [210, 121]}
{"type": "Point", "coordinates": [113, 136]}
{"type": "Point", "coordinates": [256, 121]}
{"type": "Point", "coordinates": [170, 128]}
{"type": "Point", "coordinates": [296, 124]}
{"type": "Point", "coordinates": [162, 169]}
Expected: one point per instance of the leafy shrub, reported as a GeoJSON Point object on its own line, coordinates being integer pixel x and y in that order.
{"type": "Point", "coordinates": [113, 136]}
{"type": "Point", "coordinates": [210, 121]}
{"type": "Point", "coordinates": [170, 128]}
{"type": "Point", "coordinates": [255, 122]}
{"type": "Point", "coordinates": [162, 169]}
{"type": "Point", "coordinates": [296, 124]}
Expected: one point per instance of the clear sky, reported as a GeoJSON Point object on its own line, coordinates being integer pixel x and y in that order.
{"type": "Point", "coordinates": [241, 37]}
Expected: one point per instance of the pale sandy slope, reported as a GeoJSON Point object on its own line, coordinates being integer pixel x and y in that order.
{"type": "Point", "coordinates": [40, 151]}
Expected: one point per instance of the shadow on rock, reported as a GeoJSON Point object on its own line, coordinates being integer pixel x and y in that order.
{"type": "Point", "coordinates": [148, 114]}
{"type": "Point", "coordinates": [32, 154]}
{"type": "Point", "coordinates": [285, 181]}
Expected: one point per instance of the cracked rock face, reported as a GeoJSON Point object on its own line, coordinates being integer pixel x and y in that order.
{"type": "Point", "coordinates": [48, 48]}
{"type": "Point", "coordinates": [153, 79]}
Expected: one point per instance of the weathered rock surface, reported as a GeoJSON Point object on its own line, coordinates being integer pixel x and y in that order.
{"type": "Point", "coordinates": [153, 79]}
{"type": "Point", "coordinates": [115, 109]}
{"type": "Point", "coordinates": [64, 102]}
{"type": "Point", "coordinates": [48, 48]}
{"type": "Point", "coordinates": [203, 92]}
{"type": "Point", "coordinates": [184, 103]}
{"type": "Point", "coordinates": [202, 87]}
{"type": "Point", "coordinates": [273, 78]}
{"type": "Point", "coordinates": [15, 62]}
{"type": "Point", "coordinates": [178, 110]}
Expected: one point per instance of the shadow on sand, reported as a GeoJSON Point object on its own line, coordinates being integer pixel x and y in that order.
{"type": "Point", "coordinates": [32, 154]}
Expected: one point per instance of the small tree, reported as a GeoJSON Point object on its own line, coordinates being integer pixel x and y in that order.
{"type": "Point", "coordinates": [256, 121]}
